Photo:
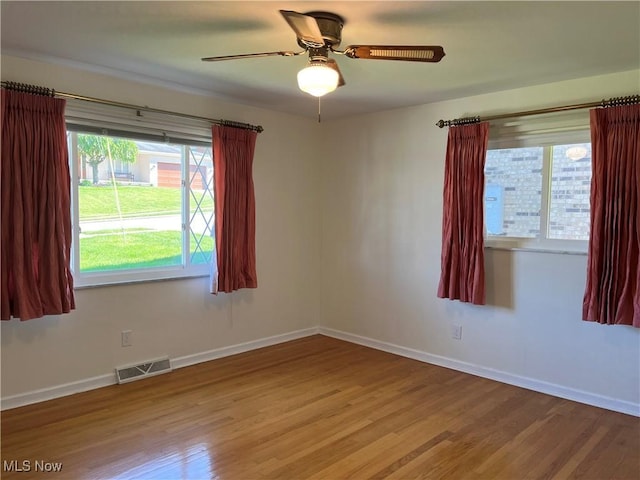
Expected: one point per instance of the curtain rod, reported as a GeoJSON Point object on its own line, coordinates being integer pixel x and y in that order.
{"type": "Point", "coordinates": [36, 90]}
{"type": "Point", "coordinates": [612, 102]}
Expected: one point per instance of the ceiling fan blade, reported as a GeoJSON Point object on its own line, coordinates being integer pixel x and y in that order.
{"type": "Point", "coordinates": [415, 53]}
{"type": "Point", "coordinates": [305, 26]}
{"type": "Point", "coordinates": [251, 55]}
{"type": "Point", "coordinates": [333, 64]}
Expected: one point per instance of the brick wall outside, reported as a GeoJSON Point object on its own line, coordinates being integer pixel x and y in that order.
{"type": "Point", "coordinates": [518, 171]}
{"type": "Point", "coordinates": [513, 179]}
{"type": "Point", "coordinates": [570, 191]}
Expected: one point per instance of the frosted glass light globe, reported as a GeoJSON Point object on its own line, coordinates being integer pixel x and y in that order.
{"type": "Point", "coordinates": [317, 79]}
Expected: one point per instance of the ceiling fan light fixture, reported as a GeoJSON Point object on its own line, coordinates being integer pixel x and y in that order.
{"type": "Point", "coordinates": [318, 79]}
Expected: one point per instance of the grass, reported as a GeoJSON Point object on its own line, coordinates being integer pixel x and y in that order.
{"type": "Point", "coordinates": [142, 249]}
{"type": "Point", "coordinates": [115, 249]}
{"type": "Point", "coordinates": [99, 202]}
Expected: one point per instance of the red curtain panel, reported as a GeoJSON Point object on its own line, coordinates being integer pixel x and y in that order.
{"type": "Point", "coordinates": [612, 294]}
{"type": "Point", "coordinates": [235, 256]}
{"type": "Point", "coordinates": [462, 257]}
{"type": "Point", "coordinates": [36, 216]}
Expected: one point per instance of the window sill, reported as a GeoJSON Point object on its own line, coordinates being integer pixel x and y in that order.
{"type": "Point", "coordinates": [536, 250]}
{"type": "Point", "coordinates": [87, 283]}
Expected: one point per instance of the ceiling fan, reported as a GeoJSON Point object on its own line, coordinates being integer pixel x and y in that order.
{"type": "Point", "coordinates": [320, 33]}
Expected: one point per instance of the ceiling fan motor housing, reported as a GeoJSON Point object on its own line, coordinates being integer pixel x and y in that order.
{"type": "Point", "coordinates": [318, 55]}
{"type": "Point", "coordinates": [330, 26]}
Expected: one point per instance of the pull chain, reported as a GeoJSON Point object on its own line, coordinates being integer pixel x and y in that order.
{"type": "Point", "coordinates": [319, 109]}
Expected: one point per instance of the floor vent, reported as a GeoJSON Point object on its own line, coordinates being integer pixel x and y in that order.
{"type": "Point", "coordinates": [143, 370]}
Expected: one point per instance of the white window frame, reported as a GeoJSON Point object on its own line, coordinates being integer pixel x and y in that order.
{"type": "Point", "coordinates": [154, 127]}
{"type": "Point", "coordinates": [547, 140]}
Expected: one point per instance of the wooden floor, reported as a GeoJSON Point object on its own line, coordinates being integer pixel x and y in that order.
{"type": "Point", "coordinates": [317, 408]}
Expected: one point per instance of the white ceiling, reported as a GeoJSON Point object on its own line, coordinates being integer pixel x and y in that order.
{"type": "Point", "coordinates": [489, 46]}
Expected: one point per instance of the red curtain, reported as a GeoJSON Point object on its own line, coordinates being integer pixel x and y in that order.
{"type": "Point", "coordinates": [462, 258]}
{"type": "Point", "coordinates": [233, 150]}
{"type": "Point", "coordinates": [612, 294]}
{"type": "Point", "coordinates": [36, 215]}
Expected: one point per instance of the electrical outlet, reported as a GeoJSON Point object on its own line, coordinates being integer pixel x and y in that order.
{"type": "Point", "coordinates": [456, 332]}
{"type": "Point", "coordinates": [126, 338]}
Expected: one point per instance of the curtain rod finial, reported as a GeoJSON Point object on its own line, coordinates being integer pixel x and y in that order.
{"type": "Point", "coordinates": [440, 123]}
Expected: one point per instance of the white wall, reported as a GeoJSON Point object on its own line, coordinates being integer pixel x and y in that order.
{"type": "Point", "coordinates": [381, 234]}
{"type": "Point", "coordinates": [180, 318]}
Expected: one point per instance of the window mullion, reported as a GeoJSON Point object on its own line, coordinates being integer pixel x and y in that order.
{"type": "Point", "coordinates": [75, 210]}
{"type": "Point", "coordinates": [545, 200]}
{"type": "Point", "coordinates": [186, 215]}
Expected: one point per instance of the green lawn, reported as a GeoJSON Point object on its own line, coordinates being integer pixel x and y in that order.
{"type": "Point", "coordinates": [111, 249]}
{"type": "Point", "coordinates": [99, 202]}
{"type": "Point", "coordinates": [140, 249]}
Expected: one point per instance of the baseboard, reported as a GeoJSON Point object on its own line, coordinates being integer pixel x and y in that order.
{"type": "Point", "coordinates": [241, 348]}
{"type": "Point", "coordinates": [58, 391]}
{"type": "Point", "coordinates": [580, 396]}
{"type": "Point", "coordinates": [43, 394]}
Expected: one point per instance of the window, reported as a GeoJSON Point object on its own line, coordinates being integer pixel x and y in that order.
{"type": "Point", "coordinates": [120, 167]}
{"type": "Point", "coordinates": [142, 207]}
{"type": "Point", "coordinates": [538, 196]}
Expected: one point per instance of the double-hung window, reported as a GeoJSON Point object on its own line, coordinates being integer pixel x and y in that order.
{"type": "Point", "coordinates": [537, 191]}
{"type": "Point", "coordinates": [142, 199]}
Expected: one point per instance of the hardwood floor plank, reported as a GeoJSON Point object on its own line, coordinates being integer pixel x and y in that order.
{"type": "Point", "coordinates": [318, 408]}
{"type": "Point", "coordinates": [569, 468]}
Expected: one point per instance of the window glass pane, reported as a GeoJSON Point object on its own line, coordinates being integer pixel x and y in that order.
{"type": "Point", "coordinates": [200, 204]}
{"type": "Point", "coordinates": [513, 192]}
{"type": "Point", "coordinates": [129, 218]}
{"type": "Point", "coordinates": [570, 191]}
